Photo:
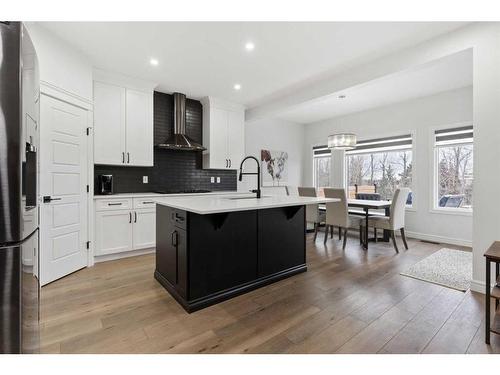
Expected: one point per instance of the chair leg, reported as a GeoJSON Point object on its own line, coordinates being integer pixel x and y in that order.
{"type": "Point", "coordinates": [361, 235]}
{"type": "Point", "coordinates": [327, 227]}
{"type": "Point", "coordinates": [340, 233]}
{"type": "Point", "coordinates": [345, 238]}
{"type": "Point", "coordinates": [393, 236]}
{"type": "Point", "coordinates": [316, 225]}
{"type": "Point", "coordinates": [375, 233]}
{"type": "Point", "coordinates": [403, 235]}
{"type": "Point", "coordinates": [331, 231]}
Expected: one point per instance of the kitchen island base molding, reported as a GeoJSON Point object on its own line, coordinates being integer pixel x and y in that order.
{"type": "Point", "coordinates": [204, 259]}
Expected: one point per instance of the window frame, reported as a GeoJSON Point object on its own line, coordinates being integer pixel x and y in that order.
{"type": "Point", "coordinates": [314, 166]}
{"type": "Point", "coordinates": [434, 151]}
{"type": "Point", "coordinates": [413, 148]}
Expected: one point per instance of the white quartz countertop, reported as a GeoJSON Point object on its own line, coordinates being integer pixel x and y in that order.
{"type": "Point", "coordinates": [204, 205]}
{"type": "Point", "coordinates": [145, 195]}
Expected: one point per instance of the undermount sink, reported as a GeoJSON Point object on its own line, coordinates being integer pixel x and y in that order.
{"type": "Point", "coordinates": [263, 196]}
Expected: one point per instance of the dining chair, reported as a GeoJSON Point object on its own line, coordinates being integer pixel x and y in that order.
{"type": "Point", "coordinates": [396, 220]}
{"type": "Point", "coordinates": [313, 214]}
{"type": "Point", "coordinates": [337, 214]}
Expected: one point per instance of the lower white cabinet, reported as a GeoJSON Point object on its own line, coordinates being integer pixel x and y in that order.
{"type": "Point", "coordinates": [113, 232]}
{"type": "Point", "coordinates": [120, 227]}
{"type": "Point", "coordinates": [144, 229]}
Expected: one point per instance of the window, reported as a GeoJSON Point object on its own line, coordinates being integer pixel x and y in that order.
{"type": "Point", "coordinates": [454, 168]}
{"type": "Point", "coordinates": [322, 157]}
{"type": "Point", "coordinates": [380, 166]}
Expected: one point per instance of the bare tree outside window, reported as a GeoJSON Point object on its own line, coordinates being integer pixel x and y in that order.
{"type": "Point", "coordinates": [455, 176]}
{"type": "Point", "coordinates": [387, 170]}
{"type": "Point", "coordinates": [322, 171]}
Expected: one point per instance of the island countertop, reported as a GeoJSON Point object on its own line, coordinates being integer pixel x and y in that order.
{"type": "Point", "coordinates": [205, 205]}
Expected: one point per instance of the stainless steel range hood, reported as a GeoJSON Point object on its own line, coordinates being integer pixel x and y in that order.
{"type": "Point", "coordinates": [179, 140]}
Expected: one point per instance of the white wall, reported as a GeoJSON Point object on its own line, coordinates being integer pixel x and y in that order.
{"type": "Point", "coordinates": [419, 116]}
{"type": "Point", "coordinates": [274, 134]}
{"type": "Point", "coordinates": [61, 65]}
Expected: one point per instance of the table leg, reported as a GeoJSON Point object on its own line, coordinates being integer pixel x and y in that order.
{"type": "Point", "coordinates": [487, 309]}
{"type": "Point", "coordinates": [497, 272]}
{"type": "Point", "coordinates": [387, 233]}
{"type": "Point", "coordinates": [366, 229]}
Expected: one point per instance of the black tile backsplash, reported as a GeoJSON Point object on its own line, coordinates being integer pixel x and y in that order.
{"type": "Point", "coordinates": [172, 170]}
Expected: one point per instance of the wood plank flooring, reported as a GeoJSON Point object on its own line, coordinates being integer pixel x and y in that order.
{"type": "Point", "coordinates": [349, 301]}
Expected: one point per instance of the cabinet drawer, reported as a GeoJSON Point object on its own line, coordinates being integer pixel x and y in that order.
{"type": "Point", "coordinates": [113, 204]}
{"type": "Point", "coordinates": [144, 203]}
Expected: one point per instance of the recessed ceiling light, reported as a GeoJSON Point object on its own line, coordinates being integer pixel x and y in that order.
{"type": "Point", "coordinates": [342, 96]}
{"type": "Point", "coordinates": [237, 86]}
{"type": "Point", "coordinates": [153, 62]}
{"type": "Point", "coordinates": [249, 46]}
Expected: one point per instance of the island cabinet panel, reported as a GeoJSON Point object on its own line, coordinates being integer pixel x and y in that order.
{"type": "Point", "coordinates": [281, 239]}
{"type": "Point", "coordinates": [222, 251]}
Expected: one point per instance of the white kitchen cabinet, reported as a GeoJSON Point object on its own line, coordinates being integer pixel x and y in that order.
{"type": "Point", "coordinates": [109, 124]}
{"type": "Point", "coordinates": [223, 134]}
{"type": "Point", "coordinates": [113, 232]}
{"type": "Point", "coordinates": [144, 228]}
{"type": "Point", "coordinates": [123, 125]}
{"type": "Point", "coordinates": [139, 128]}
{"type": "Point", "coordinates": [124, 224]}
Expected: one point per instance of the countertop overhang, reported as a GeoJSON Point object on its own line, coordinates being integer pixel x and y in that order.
{"type": "Point", "coordinates": [205, 205]}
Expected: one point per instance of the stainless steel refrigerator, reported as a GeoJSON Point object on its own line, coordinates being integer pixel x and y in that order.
{"type": "Point", "coordinates": [19, 217]}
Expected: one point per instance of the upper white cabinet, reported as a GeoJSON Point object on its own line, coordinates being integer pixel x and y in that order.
{"type": "Point", "coordinates": [123, 123]}
{"type": "Point", "coordinates": [223, 134]}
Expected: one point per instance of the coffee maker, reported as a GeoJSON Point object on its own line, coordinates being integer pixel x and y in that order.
{"type": "Point", "coordinates": [105, 184]}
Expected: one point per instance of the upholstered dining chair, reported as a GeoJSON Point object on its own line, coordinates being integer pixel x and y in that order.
{"type": "Point", "coordinates": [337, 214]}
{"type": "Point", "coordinates": [313, 214]}
{"type": "Point", "coordinates": [396, 220]}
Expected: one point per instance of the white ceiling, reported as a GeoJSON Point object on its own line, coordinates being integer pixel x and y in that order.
{"type": "Point", "coordinates": [449, 73]}
{"type": "Point", "coordinates": [203, 59]}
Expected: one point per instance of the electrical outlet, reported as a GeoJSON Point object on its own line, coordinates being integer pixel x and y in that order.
{"type": "Point", "coordinates": [144, 179]}
{"type": "Point", "coordinates": [212, 179]}
{"type": "Point", "coordinates": [218, 180]}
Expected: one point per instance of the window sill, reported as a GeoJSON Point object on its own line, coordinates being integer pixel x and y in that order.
{"type": "Point", "coordinates": [452, 211]}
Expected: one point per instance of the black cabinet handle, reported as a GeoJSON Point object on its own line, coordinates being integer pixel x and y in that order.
{"type": "Point", "coordinates": [174, 238]}
{"type": "Point", "coordinates": [135, 217]}
{"type": "Point", "coordinates": [48, 199]}
{"type": "Point", "coordinates": [148, 202]}
{"type": "Point", "coordinates": [229, 163]}
{"type": "Point", "coordinates": [114, 204]}
{"type": "Point", "coordinates": [123, 157]}
{"type": "Point", "coordinates": [130, 217]}
{"type": "Point", "coordinates": [128, 157]}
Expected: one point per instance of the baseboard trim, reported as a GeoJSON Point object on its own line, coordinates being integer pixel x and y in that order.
{"type": "Point", "coordinates": [440, 239]}
{"type": "Point", "coordinates": [127, 254]}
{"type": "Point", "coordinates": [479, 286]}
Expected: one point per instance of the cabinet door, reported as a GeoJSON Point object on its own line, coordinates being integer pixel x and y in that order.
{"type": "Point", "coordinates": [113, 231]}
{"type": "Point", "coordinates": [144, 235]}
{"type": "Point", "coordinates": [139, 125]}
{"type": "Point", "coordinates": [235, 138]}
{"type": "Point", "coordinates": [218, 139]}
{"type": "Point", "coordinates": [109, 124]}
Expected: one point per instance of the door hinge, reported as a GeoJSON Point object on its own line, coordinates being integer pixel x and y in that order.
{"type": "Point", "coordinates": [88, 188]}
{"type": "Point", "coordinates": [88, 245]}
{"type": "Point", "coordinates": [88, 131]}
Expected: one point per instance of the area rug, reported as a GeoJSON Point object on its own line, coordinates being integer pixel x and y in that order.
{"type": "Point", "coordinates": [448, 267]}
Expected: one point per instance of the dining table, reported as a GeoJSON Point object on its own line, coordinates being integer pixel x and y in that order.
{"type": "Point", "coordinates": [366, 205]}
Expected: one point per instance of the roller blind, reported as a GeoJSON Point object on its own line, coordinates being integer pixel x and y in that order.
{"type": "Point", "coordinates": [321, 151]}
{"type": "Point", "coordinates": [463, 134]}
{"type": "Point", "coordinates": [400, 142]}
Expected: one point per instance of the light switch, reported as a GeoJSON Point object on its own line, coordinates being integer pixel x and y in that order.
{"type": "Point", "coordinates": [144, 179]}
{"type": "Point", "coordinates": [218, 180]}
{"type": "Point", "coordinates": [212, 179]}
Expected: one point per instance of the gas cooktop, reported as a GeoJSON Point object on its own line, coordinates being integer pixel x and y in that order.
{"type": "Point", "coordinates": [187, 191]}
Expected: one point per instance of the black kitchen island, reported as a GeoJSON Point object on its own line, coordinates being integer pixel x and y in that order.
{"type": "Point", "coordinates": [209, 249]}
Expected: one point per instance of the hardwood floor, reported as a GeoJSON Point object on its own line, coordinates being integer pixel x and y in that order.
{"type": "Point", "coordinates": [349, 301]}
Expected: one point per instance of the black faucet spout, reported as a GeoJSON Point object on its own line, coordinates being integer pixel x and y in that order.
{"type": "Point", "coordinates": [257, 191]}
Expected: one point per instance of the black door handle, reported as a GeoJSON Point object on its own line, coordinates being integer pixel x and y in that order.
{"type": "Point", "coordinates": [229, 163]}
{"type": "Point", "coordinates": [123, 157]}
{"type": "Point", "coordinates": [128, 157]}
{"type": "Point", "coordinates": [130, 217]}
{"type": "Point", "coordinates": [135, 217]}
{"type": "Point", "coordinates": [48, 199]}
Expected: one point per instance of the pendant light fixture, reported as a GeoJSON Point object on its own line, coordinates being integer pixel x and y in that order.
{"type": "Point", "coordinates": [342, 141]}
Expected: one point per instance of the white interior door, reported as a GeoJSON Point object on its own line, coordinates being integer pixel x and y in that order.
{"type": "Point", "coordinates": [63, 178]}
